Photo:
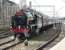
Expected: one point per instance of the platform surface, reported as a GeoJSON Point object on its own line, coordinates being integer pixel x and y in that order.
{"type": "Point", "coordinates": [59, 46]}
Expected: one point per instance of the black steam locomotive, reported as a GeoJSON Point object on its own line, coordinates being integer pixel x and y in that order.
{"type": "Point", "coordinates": [28, 22]}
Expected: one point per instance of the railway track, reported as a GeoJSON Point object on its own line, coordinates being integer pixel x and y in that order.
{"type": "Point", "coordinates": [54, 40]}
{"type": "Point", "coordinates": [42, 47]}
{"type": "Point", "coordinates": [37, 43]}
{"type": "Point", "coordinates": [7, 40]}
{"type": "Point", "coordinates": [5, 34]}
{"type": "Point", "coordinates": [8, 45]}
{"type": "Point", "coordinates": [58, 39]}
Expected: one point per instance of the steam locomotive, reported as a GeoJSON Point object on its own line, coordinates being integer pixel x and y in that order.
{"type": "Point", "coordinates": [28, 22]}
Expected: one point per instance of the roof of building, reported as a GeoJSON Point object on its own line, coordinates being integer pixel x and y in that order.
{"type": "Point", "coordinates": [5, 1]}
{"type": "Point", "coordinates": [11, 2]}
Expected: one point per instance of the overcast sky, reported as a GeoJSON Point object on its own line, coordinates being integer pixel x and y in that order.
{"type": "Point", "coordinates": [59, 6]}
